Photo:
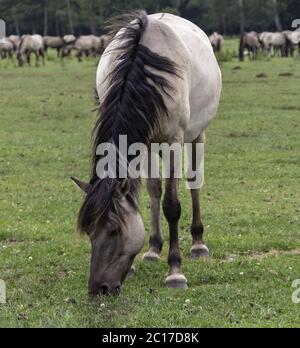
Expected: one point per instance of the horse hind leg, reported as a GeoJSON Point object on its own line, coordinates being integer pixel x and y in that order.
{"type": "Point", "coordinates": [154, 187]}
{"type": "Point", "coordinates": [195, 182]}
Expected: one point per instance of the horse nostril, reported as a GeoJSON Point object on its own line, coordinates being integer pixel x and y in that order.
{"type": "Point", "coordinates": [103, 289]}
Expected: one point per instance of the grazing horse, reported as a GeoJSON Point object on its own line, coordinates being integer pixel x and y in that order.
{"type": "Point", "coordinates": [15, 39]}
{"type": "Point", "coordinates": [249, 41]}
{"type": "Point", "coordinates": [157, 82]}
{"type": "Point", "coordinates": [217, 41]}
{"type": "Point", "coordinates": [6, 48]}
{"type": "Point", "coordinates": [31, 44]}
{"type": "Point", "coordinates": [54, 42]}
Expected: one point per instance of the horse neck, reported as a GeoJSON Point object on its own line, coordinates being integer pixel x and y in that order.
{"type": "Point", "coordinates": [117, 151]}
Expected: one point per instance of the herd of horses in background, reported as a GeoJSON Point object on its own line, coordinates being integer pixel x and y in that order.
{"type": "Point", "coordinates": [22, 47]}
{"type": "Point", "coordinates": [283, 44]}
{"type": "Point", "coordinates": [251, 43]}
{"type": "Point", "coordinates": [270, 44]}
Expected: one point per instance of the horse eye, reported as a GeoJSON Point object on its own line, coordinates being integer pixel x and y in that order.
{"type": "Point", "coordinates": [113, 233]}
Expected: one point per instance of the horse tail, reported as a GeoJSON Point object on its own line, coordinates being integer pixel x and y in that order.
{"type": "Point", "coordinates": [242, 46]}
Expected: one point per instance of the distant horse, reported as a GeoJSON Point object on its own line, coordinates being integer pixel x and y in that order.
{"type": "Point", "coordinates": [273, 43]}
{"type": "Point", "coordinates": [6, 48]}
{"type": "Point", "coordinates": [16, 40]}
{"type": "Point", "coordinates": [69, 41]}
{"type": "Point", "coordinates": [87, 45]}
{"type": "Point", "coordinates": [54, 42]}
{"type": "Point", "coordinates": [217, 41]}
{"type": "Point", "coordinates": [249, 41]}
{"type": "Point", "coordinates": [293, 41]}
{"type": "Point", "coordinates": [158, 82]}
{"type": "Point", "coordinates": [105, 40]}
{"type": "Point", "coordinates": [31, 44]}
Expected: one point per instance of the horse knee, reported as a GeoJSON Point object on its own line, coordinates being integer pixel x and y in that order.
{"type": "Point", "coordinates": [172, 208]}
{"type": "Point", "coordinates": [154, 187]}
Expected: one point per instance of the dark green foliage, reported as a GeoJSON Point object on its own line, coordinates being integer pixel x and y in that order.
{"type": "Point", "coordinates": [88, 16]}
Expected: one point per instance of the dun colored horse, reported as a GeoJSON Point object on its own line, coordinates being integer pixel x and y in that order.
{"type": "Point", "coordinates": [157, 82]}
{"type": "Point", "coordinates": [89, 45]}
{"type": "Point", "coordinates": [272, 43]}
{"type": "Point", "coordinates": [249, 41]}
{"type": "Point", "coordinates": [6, 48]}
{"type": "Point", "coordinates": [30, 44]}
{"type": "Point", "coordinates": [54, 42]}
{"type": "Point", "coordinates": [217, 41]}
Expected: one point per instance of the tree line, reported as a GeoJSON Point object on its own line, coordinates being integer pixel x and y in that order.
{"type": "Point", "coordinates": [78, 17]}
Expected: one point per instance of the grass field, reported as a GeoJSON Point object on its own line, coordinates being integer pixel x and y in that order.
{"type": "Point", "coordinates": [251, 206]}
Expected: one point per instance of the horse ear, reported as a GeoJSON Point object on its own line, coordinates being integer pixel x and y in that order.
{"type": "Point", "coordinates": [82, 185]}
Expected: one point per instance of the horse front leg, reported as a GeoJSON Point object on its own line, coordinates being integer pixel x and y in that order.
{"type": "Point", "coordinates": [28, 59]}
{"type": "Point", "coordinates": [79, 55]}
{"type": "Point", "coordinates": [172, 212]}
{"type": "Point", "coordinates": [36, 59]}
{"type": "Point", "coordinates": [196, 181]}
{"type": "Point", "coordinates": [154, 187]}
{"type": "Point", "coordinates": [43, 56]}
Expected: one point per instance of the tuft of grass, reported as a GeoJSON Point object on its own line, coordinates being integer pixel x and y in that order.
{"type": "Point", "coordinates": [225, 56]}
{"type": "Point", "coordinates": [250, 206]}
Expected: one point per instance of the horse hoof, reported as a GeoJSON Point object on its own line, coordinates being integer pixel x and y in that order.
{"type": "Point", "coordinates": [151, 256]}
{"type": "Point", "coordinates": [131, 273]}
{"type": "Point", "coordinates": [176, 281]}
{"type": "Point", "coordinates": [199, 252]}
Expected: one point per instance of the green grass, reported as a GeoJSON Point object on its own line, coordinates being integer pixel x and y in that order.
{"type": "Point", "coordinates": [250, 206]}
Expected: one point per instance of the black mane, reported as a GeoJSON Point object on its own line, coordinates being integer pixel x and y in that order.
{"type": "Point", "coordinates": [132, 106]}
